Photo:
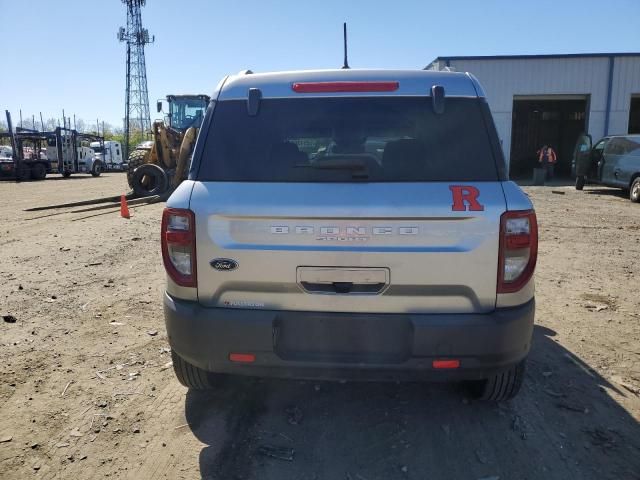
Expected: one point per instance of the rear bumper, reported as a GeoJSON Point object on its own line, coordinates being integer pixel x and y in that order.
{"type": "Point", "coordinates": [339, 345]}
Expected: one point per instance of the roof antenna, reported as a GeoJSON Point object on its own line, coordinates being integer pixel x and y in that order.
{"type": "Point", "coordinates": [346, 63]}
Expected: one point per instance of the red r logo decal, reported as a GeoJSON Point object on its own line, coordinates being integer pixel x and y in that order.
{"type": "Point", "coordinates": [468, 194]}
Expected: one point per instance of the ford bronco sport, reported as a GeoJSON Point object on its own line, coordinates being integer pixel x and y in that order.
{"type": "Point", "coordinates": [351, 224]}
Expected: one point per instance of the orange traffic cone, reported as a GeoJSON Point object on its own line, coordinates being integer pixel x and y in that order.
{"type": "Point", "coordinates": [124, 208]}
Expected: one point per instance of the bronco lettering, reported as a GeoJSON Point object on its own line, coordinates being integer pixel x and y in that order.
{"type": "Point", "coordinates": [332, 232]}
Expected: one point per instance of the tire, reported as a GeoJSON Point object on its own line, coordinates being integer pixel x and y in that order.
{"type": "Point", "coordinates": [634, 191]}
{"type": "Point", "coordinates": [149, 179]}
{"type": "Point", "coordinates": [190, 376]}
{"type": "Point", "coordinates": [23, 173]}
{"type": "Point", "coordinates": [38, 171]}
{"type": "Point", "coordinates": [500, 387]}
{"type": "Point", "coordinates": [580, 182]}
{"type": "Point", "coordinates": [96, 169]}
{"type": "Point", "coordinates": [136, 158]}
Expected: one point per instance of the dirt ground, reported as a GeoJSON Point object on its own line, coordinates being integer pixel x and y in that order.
{"type": "Point", "coordinates": [87, 390]}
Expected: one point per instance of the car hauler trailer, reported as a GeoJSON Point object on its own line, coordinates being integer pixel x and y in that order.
{"type": "Point", "coordinates": [18, 165]}
{"type": "Point", "coordinates": [67, 152]}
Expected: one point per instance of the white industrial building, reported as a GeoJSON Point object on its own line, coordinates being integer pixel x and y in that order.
{"type": "Point", "coordinates": [551, 99]}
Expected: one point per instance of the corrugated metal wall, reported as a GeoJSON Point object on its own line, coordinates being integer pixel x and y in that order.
{"type": "Point", "coordinates": [503, 79]}
{"type": "Point", "coordinates": [626, 82]}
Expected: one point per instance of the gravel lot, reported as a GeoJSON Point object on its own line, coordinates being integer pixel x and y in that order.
{"type": "Point", "coordinates": [87, 391]}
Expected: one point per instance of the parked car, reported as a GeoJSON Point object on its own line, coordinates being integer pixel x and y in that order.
{"type": "Point", "coordinates": [6, 161]}
{"type": "Point", "coordinates": [412, 259]}
{"type": "Point", "coordinates": [613, 161]}
{"type": "Point", "coordinates": [6, 152]}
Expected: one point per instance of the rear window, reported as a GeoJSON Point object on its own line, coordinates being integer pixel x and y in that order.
{"type": "Point", "coordinates": [380, 139]}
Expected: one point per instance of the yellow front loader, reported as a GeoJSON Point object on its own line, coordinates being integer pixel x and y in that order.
{"type": "Point", "coordinates": [158, 166]}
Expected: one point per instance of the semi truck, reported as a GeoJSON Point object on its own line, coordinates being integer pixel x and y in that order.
{"type": "Point", "coordinates": [110, 154]}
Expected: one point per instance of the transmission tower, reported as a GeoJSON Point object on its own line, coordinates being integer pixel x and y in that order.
{"type": "Point", "coordinates": [136, 110]}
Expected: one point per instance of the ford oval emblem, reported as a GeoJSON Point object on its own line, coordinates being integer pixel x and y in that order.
{"type": "Point", "coordinates": [224, 264]}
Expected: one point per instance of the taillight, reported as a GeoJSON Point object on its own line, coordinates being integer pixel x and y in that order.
{"type": "Point", "coordinates": [331, 87]}
{"type": "Point", "coordinates": [518, 250]}
{"type": "Point", "coordinates": [179, 246]}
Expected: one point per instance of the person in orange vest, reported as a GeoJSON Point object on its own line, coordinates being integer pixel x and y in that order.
{"type": "Point", "coordinates": [547, 158]}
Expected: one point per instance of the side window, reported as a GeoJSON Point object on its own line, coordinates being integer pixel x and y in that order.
{"type": "Point", "coordinates": [630, 146]}
{"type": "Point", "coordinates": [615, 147]}
{"type": "Point", "coordinates": [598, 150]}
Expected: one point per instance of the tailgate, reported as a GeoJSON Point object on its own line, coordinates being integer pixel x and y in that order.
{"type": "Point", "coordinates": [346, 247]}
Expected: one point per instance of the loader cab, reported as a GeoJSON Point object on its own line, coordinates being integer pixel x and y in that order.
{"type": "Point", "coordinates": [185, 111]}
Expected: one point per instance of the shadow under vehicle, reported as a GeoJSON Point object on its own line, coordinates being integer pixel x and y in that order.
{"type": "Point", "coordinates": [565, 424]}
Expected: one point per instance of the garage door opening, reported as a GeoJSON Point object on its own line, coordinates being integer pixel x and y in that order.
{"type": "Point", "coordinates": [551, 120]}
{"type": "Point", "coordinates": [634, 115]}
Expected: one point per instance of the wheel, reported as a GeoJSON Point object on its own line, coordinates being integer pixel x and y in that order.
{"type": "Point", "coordinates": [38, 171]}
{"type": "Point", "coordinates": [149, 179]}
{"type": "Point", "coordinates": [66, 174]}
{"type": "Point", "coordinates": [23, 172]}
{"type": "Point", "coordinates": [500, 387]}
{"type": "Point", "coordinates": [96, 169]}
{"type": "Point", "coordinates": [190, 376]}
{"type": "Point", "coordinates": [634, 191]}
{"type": "Point", "coordinates": [136, 158]}
{"type": "Point", "coordinates": [579, 182]}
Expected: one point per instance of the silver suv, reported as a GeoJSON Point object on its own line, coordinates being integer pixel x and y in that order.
{"type": "Point", "coordinates": [352, 224]}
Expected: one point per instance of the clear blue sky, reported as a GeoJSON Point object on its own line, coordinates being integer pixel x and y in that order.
{"type": "Point", "coordinates": [64, 53]}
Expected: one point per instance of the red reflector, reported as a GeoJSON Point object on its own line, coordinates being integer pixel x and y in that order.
{"type": "Point", "coordinates": [242, 357]}
{"type": "Point", "coordinates": [446, 363]}
{"type": "Point", "coordinates": [518, 241]}
{"type": "Point", "coordinates": [327, 87]}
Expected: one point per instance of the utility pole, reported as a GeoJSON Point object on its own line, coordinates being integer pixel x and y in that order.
{"type": "Point", "coordinates": [136, 110]}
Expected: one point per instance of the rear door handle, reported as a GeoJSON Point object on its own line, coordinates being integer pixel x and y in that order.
{"type": "Point", "coordinates": [343, 280]}
{"type": "Point", "coordinates": [343, 288]}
